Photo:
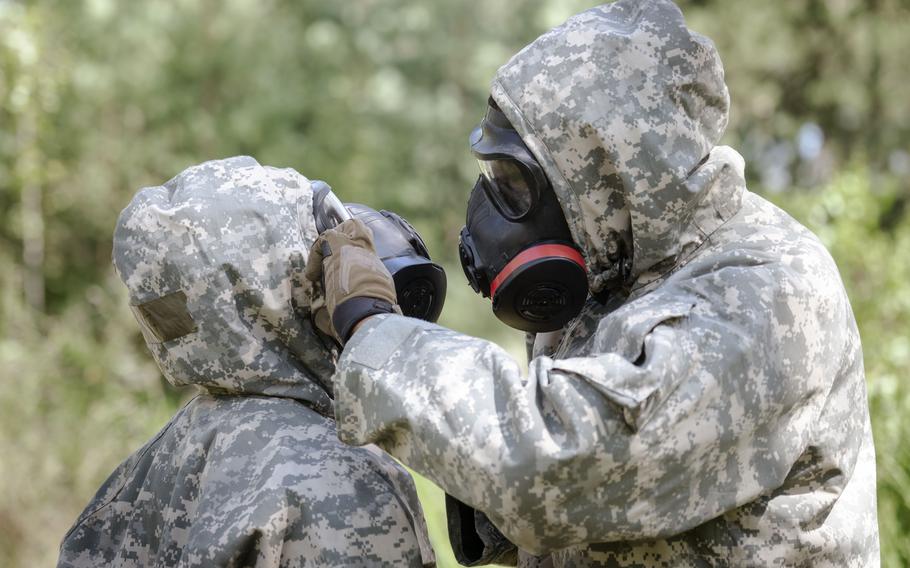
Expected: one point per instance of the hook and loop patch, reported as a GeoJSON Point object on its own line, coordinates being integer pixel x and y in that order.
{"type": "Point", "coordinates": [165, 318]}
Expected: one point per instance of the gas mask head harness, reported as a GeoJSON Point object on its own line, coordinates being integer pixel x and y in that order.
{"type": "Point", "coordinates": [516, 247]}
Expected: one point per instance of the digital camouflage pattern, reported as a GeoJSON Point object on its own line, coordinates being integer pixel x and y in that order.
{"type": "Point", "coordinates": [250, 472]}
{"type": "Point", "coordinates": [712, 412]}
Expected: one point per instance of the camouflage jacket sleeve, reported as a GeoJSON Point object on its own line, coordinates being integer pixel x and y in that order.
{"type": "Point", "coordinates": [684, 407]}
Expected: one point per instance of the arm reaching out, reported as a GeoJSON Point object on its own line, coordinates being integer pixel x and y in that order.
{"type": "Point", "coordinates": [688, 412]}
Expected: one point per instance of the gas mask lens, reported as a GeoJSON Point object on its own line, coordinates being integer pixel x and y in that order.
{"type": "Point", "coordinates": [509, 186]}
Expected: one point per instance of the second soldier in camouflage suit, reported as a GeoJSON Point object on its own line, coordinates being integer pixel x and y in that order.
{"type": "Point", "coordinates": [712, 412]}
{"type": "Point", "coordinates": [250, 472]}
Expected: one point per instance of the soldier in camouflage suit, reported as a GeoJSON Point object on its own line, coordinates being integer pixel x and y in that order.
{"type": "Point", "coordinates": [712, 411]}
{"type": "Point", "coordinates": [250, 472]}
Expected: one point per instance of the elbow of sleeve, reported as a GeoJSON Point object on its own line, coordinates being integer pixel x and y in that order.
{"type": "Point", "coordinates": [541, 524]}
{"type": "Point", "coordinates": [531, 535]}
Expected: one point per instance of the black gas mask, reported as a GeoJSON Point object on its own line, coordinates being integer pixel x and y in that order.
{"type": "Point", "coordinates": [420, 283]}
{"type": "Point", "coordinates": [516, 247]}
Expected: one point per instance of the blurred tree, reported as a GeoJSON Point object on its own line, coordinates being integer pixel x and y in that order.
{"type": "Point", "coordinates": [836, 64]}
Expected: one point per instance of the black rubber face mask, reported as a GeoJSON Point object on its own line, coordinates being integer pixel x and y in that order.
{"type": "Point", "coordinates": [516, 247]}
{"type": "Point", "coordinates": [420, 283]}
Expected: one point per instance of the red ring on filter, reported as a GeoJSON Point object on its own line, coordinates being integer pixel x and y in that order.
{"type": "Point", "coordinates": [533, 253]}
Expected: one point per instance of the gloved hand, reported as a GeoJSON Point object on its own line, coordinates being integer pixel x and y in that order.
{"type": "Point", "coordinates": [355, 282]}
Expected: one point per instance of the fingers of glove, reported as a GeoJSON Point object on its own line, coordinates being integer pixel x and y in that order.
{"type": "Point", "coordinates": [352, 232]}
{"type": "Point", "coordinates": [313, 270]}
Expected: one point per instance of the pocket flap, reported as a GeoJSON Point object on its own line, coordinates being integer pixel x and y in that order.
{"type": "Point", "coordinates": [638, 369]}
{"type": "Point", "coordinates": [624, 330]}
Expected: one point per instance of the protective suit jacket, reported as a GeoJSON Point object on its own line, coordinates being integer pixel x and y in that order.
{"type": "Point", "coordinates": [711, 412]}
{"type": "Point", "coordinates": [250, 472]}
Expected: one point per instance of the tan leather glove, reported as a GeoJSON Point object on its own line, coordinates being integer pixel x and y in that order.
{"type": "Point", "coordinates": [355, 282]}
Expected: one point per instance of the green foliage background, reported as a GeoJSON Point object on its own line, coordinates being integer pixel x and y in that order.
{"type": "Point", "coordinates": [99, 98]}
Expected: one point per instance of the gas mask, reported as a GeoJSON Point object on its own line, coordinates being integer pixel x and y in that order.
{"type": "Point", "coordinates": [516, 247]}
{"type": "Point", "coordinates": [420, 283]}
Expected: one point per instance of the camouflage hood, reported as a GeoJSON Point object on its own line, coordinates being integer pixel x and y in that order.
{"type": "Point", "coordinates": [622, 105]}
{"type": "Point", "coordinates": [214, 260]}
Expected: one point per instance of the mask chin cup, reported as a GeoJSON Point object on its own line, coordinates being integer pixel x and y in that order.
{"type": "Point", "coordinates": [541, 289]}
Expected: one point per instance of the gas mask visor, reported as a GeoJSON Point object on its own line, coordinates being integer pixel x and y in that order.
{"type": "Point", "coordinates": [510, 175]}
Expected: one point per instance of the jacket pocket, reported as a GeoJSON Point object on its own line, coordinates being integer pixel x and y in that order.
{"type": "Point", "coordinates": [642, 358]}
